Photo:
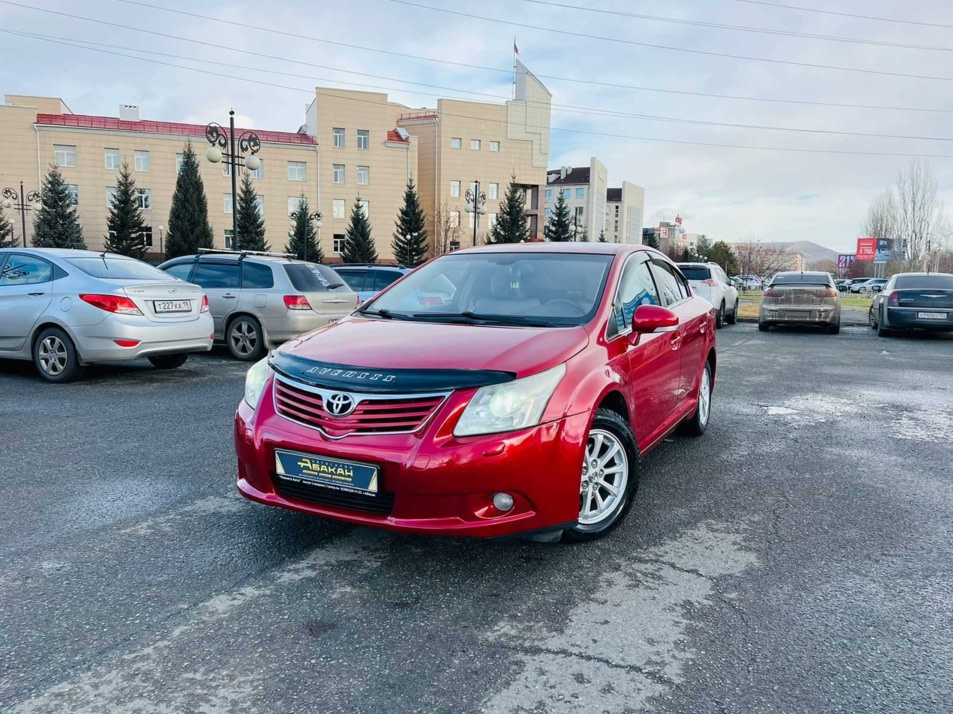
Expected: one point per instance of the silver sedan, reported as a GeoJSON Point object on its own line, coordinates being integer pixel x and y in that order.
{"type": "Point", "coordinates": [64, 309]}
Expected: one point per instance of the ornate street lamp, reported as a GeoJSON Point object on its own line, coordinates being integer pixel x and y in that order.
{"type": "Point", "coordinates": [476, 204]}
{"type": "Point", "coordinates": [21, 202]}
{"type": "Point", "coordinates": [224, 146]}
{"type": "Point", "coordinates": [316, 217]}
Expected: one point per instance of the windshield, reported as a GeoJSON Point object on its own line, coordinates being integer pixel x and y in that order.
{"type": "Point", "coordinates": [695, 272]}
{"type": "Point", "coordinates": [925, 282]}
{"type": "Point", "coordinates": [113, 268]}
{"type": "Point", "coordinates": [542, 289]}
{"type": "Point", "coordinates": [315, 278]}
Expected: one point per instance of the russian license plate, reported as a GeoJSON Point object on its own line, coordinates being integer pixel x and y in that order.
{"type": "Point", "coordinates": [797, 315]}
{"type": "Point", "coordinates": [173, 306]}
{"type": "Point", "coordinates": [335, 474]}
{"type": "Point", "coordinates": [931, 315]}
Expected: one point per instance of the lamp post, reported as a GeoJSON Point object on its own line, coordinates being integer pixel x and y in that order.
{"type": "Point", "coordinates": [21, 202]}
{"type": "Point", "coordinates": [476, 204]}
{"type": "Point", "coordinates": [576, 228]}
{"type": "Point", "coordinates": [225, 146]}
{"type": "Point", "coordinates": [316, 217]}
{"type": "Point", "coordinates": [161, 248]}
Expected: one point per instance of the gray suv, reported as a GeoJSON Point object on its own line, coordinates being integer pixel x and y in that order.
{"type": "Point", "coordinates": [261, 299]}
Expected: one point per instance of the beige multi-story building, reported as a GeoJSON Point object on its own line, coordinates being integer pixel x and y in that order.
{"type": "Point", "coordinates": [584, 189]}
{"type": "Point", "coordinates": [39, 132]}
{"type": "Point", "coordinates": [625, 208]}
{"type": "Point", "coordinates": [353, 147]}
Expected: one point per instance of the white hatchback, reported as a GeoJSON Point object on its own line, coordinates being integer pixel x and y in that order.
{"type": "Point", "coordinates": [709, 281]}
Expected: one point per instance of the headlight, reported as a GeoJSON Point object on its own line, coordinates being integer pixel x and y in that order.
{"type": "Point", "coordinates": [511, 406]}
{"type": "Point", "coordinates": [255, 381]}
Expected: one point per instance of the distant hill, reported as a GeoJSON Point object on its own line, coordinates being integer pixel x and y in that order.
{"type": "Point", "coordinates": [812, 252]}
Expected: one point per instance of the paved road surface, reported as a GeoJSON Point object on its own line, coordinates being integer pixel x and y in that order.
{"type": "Point", "coordinates": [795, 559]}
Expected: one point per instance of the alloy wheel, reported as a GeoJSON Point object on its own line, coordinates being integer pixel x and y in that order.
{"type": "Point", "coordinates": [605, 473]}
{"type": "Point", "coordinates": [704, 397]}
{"type": "Point", "coordinates": [53, 355]}
{"type": "Point", "coordinates": [244, 338]}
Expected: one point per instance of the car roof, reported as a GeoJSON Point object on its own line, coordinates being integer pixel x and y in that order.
{"type": "Point", "coordinates": [813, 273]}
{"type": "Point", "coordinates": [65, 253]}
{"type": "Point", "coordinates": [920, 275]}
{"type": "Point", "coordinates": [365, 266]}
{"type": "Point", "coordinates": [560, 247]}
{"type": "Point", "coordinates": [696, 265]}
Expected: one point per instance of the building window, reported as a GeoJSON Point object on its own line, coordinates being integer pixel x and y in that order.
{"type": "Point", "coordinates": [337, 135]}
{"type": "Point", "coordinates": [363, 175]}
{"type": "Point", "coordinates": [337, 173]}
{"type": "Point", "coordinates": [144, 198]}
{"type": "Point", "coordinates": [475, 144]}
{"type": "Point", "coordinates": [227, 202]}
{"type": "Point", "coordinates": [110, 193]}
{"type": "Point", "coordinates": [113, 160]}
{"type": "Point", "coordinates": [549, 194]}
{"type": "Point", "coordinates": [363, 139]}
{"type": "Point", "coordinates": [578, 214]}
{"type": "Point", "coordinates": [456, 143]}
{"type": "Point", "coordinates": [454, 189]}
{"type": "Point", "coordinates": [256, 174]}
{"type": "Point", "coordinates": [490, 221]}
{"type": "Point", "coordinates": [340, 209]}
{"type": "Point", "coordinates": [146, 236]}
{"type": "Point", "coordinates": [338, 246]}
{"type": "Point", "coordinates": [580, 193]}
{"type": "Point", "coordinates": [616, 211]}
{"type": "Point", "coordinates": [294, 203]}
{"type": "Point", "coordinates": [64, 155]}
{"type": "Point", "coordinates": [297, 171]}
{"type": "Point", "coordinates": [142, 161]}
{"type": "Point", "coordinates": [454, 245]}
{"type": "Point", "coordinates": [494, 146]}
{"type": "Point", "coordinates": [616, 229]}
{"type": "Point", "coordinates": [365, 207]}
{"type": "Point", "coordinates": [179, 162]}
{"type": "Point", "coordinates": [454, 219]}
{"type": "Point", "coordinates": [73, 193]}
{"type": "Point", "coordinates": [549, 212]}
{"type": "Point", "coordinates": [493, 191]}
{"type": "Point", "coordinates": [566, 193]}
{"type": "Point", "coordinates": [229, 239]}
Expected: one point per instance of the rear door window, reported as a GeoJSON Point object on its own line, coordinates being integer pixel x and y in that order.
{"type": "Point", "coordinates": [256, 276]}
{"type": "Point", "coordinates": [670, 288]}
{"type": "Point", "coordinates": [25, 270]}
{"type": "Point", "coordinates": [354, 278]}
{"type": "Point", "coordinates": [383, 278]}
{"type": "Point", "coordinates": [315, 278]}
{"type": "Point", "coordinates": [180, 270]}
{"type": "Point", "coordinates": [696, 273]}
{"type": "Point", "coordinates": [217, 275]}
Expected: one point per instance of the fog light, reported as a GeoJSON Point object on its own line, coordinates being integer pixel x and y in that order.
{"type": "Point", "coordinates": [502, 502]}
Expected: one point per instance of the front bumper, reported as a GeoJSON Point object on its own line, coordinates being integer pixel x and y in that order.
{"type": "Point", "coordinates": [97, 343]}
{"type": "Point", "coordinates": [439, 484]}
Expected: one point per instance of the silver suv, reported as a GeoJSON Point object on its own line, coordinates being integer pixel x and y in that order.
{"type": "Point", "coordinates": [260, 299]}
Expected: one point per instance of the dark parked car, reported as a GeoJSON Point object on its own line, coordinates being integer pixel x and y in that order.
{"type": "Point", "coordinates": [914, 301]}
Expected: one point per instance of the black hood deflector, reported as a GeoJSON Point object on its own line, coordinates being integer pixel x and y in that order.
{"type": "Point", "coordinates": [374, 380]}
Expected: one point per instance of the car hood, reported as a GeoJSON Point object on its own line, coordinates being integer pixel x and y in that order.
{"type": "Point", "coordinates": [418, 346]}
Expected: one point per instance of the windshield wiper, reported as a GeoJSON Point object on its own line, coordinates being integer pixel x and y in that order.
{"type": "Point", "coordinates": [469, 317]}
{"type": "Point", "coordinates": [386, 314]}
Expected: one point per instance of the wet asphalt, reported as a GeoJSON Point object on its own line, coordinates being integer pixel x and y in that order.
{"type": "Point", "coordinates": [794, 559]}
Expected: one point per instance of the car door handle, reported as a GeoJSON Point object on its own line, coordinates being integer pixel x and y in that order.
{"type": "Point", "coordinates": [676, 342]}
{"type": "Point", "coordinates": [36, 294]}
{"type": "Point", "coordinates": [230, 297]}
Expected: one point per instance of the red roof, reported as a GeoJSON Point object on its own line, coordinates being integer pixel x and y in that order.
{"type": "Point", "coordinates": [393, 135]}
{"type": "Point", "coordinates": [84, 121]}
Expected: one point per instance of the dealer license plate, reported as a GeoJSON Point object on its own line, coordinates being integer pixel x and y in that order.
{"type": "Point", "coordinates": [334, 474]}
{"type": "Point", "coordinates": [931, 315]}
{"type": "Point", "coordinates": [163, 306]}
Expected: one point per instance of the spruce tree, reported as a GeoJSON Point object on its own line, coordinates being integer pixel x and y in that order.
{"type": "Point", "coordinates": [559, 224]}
{"type": "Point", "coordinates": [410, 232]}
{"type": "Point", "coordinates": [6, 231]}
{"type": "Point", "coordinates": [602, 236]}
{"type": "Point", "coordinates": [303, 239]}
{"type": "Point", "coordinates": [358, 243]}
{"type": "Point", "coordinates": [250, 224]}
{"type": "Point", "coordinates": [511, 224]}
{"type": "Point", "coordinates": [125, 222]}
{"type": "Point", "coordinates": [189, 228]}
{"type": "Point", "coordinates": [56, 224]}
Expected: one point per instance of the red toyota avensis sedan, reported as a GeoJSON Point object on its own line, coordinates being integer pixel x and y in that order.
{"type": "Point", "coordinates": [493, 391]}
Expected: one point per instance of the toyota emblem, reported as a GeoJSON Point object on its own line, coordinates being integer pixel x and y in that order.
{"type": "Point", "coordinates": [340, 404]}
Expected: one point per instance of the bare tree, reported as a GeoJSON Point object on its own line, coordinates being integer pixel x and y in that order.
{"type": "Point", "coordinates": [755, 258]}
{"type": "Point", "coordinates": [883, 217]}
{"type": "Point", "coordinates": [919, 211]}
{"type": "Point", "coordinates": [445, 231]}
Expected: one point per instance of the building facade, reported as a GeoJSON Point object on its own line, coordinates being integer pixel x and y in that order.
{"type": "Point", "coordinates": [625, 209]}
{"type": "Point", "coordinates": [584, 189]}
{"type": "Point", "coordinates": [40, 132]}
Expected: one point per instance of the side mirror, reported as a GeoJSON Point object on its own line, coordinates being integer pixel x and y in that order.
{"type": "Point", "coordinates": [651, 318]}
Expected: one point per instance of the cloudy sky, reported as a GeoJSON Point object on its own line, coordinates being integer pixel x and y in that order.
{"type": "Point", "coordinates": [638, 127]}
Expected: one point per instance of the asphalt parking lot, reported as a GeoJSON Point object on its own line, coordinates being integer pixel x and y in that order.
{"type": "Point", "coordinates": [794, 559]}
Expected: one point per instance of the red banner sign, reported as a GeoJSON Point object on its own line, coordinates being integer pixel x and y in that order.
{"type": "Point", "coordinates": [866, 248]}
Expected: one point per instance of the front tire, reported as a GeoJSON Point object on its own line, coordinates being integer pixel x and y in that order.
{"type": "Point", "coordinates": [245, 338]}
{"type": "Point", "coordinates": [733, 315]}
{"type": "Point", "coordinates": [168, 361]}
{"type": "Point", "coordinates": [55, 358]}
{"type": "Point", "coordinates": [698, 422]}
{"type": "Point", "coordinates": [609, 478]}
